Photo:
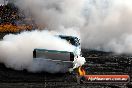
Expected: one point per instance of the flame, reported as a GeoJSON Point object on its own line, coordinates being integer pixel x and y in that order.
{"type": "Point", "coordinates": [81, 71]}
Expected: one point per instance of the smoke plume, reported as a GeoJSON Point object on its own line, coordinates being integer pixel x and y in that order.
{"type": "Point", "coordinates": [108, 26]}
{"type": "Point", "coordinates": [54, 14]}
{"type": "Point", "coordinates": [16, 51]}
{"type": "Point", "coordinates": [101, 24]}
{"type": "Point", "coordinates": [1, 2]}
{"type": "Point", "coordinates": [64, 17]}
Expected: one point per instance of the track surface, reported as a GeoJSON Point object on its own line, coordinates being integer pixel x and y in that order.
{"type": "Point", "coordinates": [98, 62]}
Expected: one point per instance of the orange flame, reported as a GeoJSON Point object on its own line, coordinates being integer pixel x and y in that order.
{"type": "Point", "coordinates": [81, 71]}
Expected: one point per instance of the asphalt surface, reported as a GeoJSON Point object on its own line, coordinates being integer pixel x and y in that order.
{"type": "Point", "coordinates": [97, 62]}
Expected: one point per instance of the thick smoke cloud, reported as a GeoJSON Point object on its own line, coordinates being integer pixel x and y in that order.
{"type": "Point", "coordinates": [54, 14]}
{"type": "Point", "coordinates": [108, 26]}
{"type": "Point", "coordinates": [16, 51]}
{"type": "Point", "coordinates": [1, 2]}
{"type": "Point", "coordinates": [63, 16]}
{"type": "Point", "coordinates": [102, 24]}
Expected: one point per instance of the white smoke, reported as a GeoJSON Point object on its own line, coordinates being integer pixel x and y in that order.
{"type": "Point", "coordinates": [63, 16]}
{"type": "Point", "coordinates": [102, 24]}
{"type": "Point", "coordinates": [1, 2]}
{"type": "Point", "coordinates": [108, 25]}
{"type": "Point", "coordinates": [54, 14]}
{"type": "Point", "coordinates": [16, 51]}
